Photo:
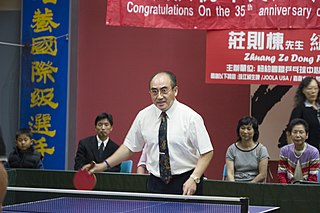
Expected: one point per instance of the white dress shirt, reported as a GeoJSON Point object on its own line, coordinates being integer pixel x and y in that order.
{"type": "Point", "coordinates": [186, 134]}
{"type": "Point", "coordinates": [104, 142]}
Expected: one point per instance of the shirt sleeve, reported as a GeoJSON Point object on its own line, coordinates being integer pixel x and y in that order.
{"type": "Point", "coordinates": [296, 113]}
{"type": "Point", "coordinates": [200, 135]}
{"type": "Point", "coordinates": [264, 153]}
{"type": "Point", "coordinates": [230, 153]}
{"type": "Point", "coordinates": [134, 140]}
{"type": "Point", "coordinates": [314, 166]}
{"type": "Point", "coordinates": [143, 158]}
{"type": "Point", "coordinates": [282, 167]}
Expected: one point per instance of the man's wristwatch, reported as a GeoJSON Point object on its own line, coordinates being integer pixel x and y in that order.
{"type": "Point", "coordinates": [196, 179]}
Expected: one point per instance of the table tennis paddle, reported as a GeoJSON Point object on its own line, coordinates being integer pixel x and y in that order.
{"type": "Point", "coordinates": [83, 180]}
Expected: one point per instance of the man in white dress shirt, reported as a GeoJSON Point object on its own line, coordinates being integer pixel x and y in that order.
{"type": "Point", "coordinates": [189, 144]}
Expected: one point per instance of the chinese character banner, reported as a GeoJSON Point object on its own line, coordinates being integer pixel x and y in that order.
{"type": "Point", "coordinates": [214, 14]}
{"type": "Point", "coordinates": [44, 77]}
{"type": "Point", "coordinates": [281, 57]}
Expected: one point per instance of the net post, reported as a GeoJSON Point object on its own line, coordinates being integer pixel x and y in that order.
{"type": "Point", "coordinates": [244, 202]}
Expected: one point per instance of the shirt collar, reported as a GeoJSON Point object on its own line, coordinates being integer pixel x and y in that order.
{"type": "Point", "coordinates": [100, 141]}
{"type": "Point", "coordinates": [308, 104]}
{"type": "Point", "coordinates": [169, 112]}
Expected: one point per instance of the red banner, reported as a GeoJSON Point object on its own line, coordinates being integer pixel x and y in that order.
{"type": "Point", "coordinates": [215, 14]}
{"type": "Point", "coordinates": [281, 57]}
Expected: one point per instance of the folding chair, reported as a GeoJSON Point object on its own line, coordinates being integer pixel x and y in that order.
{"type": "Point", "coordinates": [126, 166]}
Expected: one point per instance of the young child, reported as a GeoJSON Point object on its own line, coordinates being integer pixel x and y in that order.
{"type": "Point", "coordinates": [24, 155]}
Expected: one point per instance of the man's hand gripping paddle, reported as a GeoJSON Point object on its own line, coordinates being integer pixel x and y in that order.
{"type": "Point", "coordinates": [83, 180]}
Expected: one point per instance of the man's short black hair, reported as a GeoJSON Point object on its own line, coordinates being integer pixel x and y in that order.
{"type": "Point", "coordinates": [102, 116]}
{"type": "Point", "coordinates": [24, 131]}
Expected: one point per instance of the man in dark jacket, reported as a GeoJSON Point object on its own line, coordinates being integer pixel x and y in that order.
{"type": "Point", "coordinates": [98, 147]}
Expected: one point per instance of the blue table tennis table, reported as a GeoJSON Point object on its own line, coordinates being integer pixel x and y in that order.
{"type": "Point", "coordinates": [97, 205]}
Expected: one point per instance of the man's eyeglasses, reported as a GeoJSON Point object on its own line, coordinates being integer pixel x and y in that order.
{"type": "Point", "coordinates": [162, 91]}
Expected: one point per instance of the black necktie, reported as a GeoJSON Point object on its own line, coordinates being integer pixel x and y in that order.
{"type": "Point", "coordinates": [101, 150]}
{"type": "Point", "coordinates": [164, 160]}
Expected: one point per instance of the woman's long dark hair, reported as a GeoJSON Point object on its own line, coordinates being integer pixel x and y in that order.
{"type": "Point", "coordinates": [299, 97]}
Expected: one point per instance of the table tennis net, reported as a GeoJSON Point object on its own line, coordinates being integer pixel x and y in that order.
{"type": "Point", "coordinates": [22, 199]}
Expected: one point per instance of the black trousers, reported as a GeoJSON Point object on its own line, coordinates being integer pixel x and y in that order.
{"type": "Point", "coordinates": [156, 185]}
